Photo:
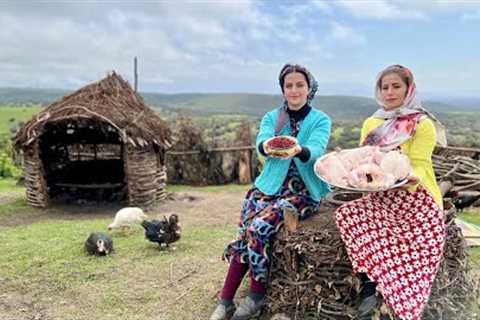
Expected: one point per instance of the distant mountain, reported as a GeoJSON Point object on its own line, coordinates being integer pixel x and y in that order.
{"type": "Point", "coordinates": [338, 107]}
{"type": "Point", "coordinates": [17, 96]}
{"type": "Point", "coordinates": [468, 102]}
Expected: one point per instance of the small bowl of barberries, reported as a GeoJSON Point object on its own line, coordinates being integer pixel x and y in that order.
{"type": "Point", "coordinates": [281, 146]}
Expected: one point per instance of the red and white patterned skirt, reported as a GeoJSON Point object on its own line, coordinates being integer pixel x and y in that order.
{"type": "Point", "coordinates": [397, 238]}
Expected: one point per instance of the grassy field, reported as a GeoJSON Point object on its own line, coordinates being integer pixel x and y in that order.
{"type": "Point", "coordinates": [11, 116]}
{"type": "Point", "coordinates": [42, 262]}
{"type": "Point", "coordinates": [45, 273]}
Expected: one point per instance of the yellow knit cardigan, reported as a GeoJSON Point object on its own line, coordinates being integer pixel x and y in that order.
{"type": "Point", "coordinates": [419, 149]}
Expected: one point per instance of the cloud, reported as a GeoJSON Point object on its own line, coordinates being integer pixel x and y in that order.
{"type": "Point", "coordinates": [471, 16]}
{"type": "Point", "coordinates": [344, 33]}
{"type": "Point", "coordinates": [63, 44]}
{"type": "Point", "coordinates": [380, 9]}
{"type": "Point", "coordinates": [213, 46]}
{"type": "Point", "coordinates": [406, 9]}
{"type": "Point", "coordinates": [322, 6]}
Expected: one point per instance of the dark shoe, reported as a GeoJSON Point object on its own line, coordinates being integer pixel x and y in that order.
{"type": "Point", "coordinates": [248, 309]}
{"type": "Point", "coordinates": [222, 312]}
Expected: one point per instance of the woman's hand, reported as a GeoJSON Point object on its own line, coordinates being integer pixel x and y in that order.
{"type": "Point", "coordinates": [411, 181]}
{"type": "Point", "coordinates": [266, 148]}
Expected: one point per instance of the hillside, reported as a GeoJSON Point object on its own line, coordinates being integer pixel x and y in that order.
{"type": "Point", "coordinates": [11, 117]}
{"type": "Point", "coordinates": [338, 107]}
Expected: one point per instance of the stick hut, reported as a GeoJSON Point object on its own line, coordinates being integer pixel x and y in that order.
{"type": "Point", "coordinates": [101, 141]}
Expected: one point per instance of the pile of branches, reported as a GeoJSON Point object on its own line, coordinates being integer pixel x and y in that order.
{"type": "Point", "coordinates": [463, 171]}
{"type": "Point", "coordinates": [312, 277]}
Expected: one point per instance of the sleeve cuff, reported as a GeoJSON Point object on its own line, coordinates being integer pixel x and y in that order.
{"type": "Point", "coordinates": [303, 155]}
{"type": "Point", "coordinates": [260, 148]}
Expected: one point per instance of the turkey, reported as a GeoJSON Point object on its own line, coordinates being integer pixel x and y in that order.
{"type": "Point", "coordinates": [163, 231]}
{"type": "Point", "coordinates": [99, 243]}
{"type": "Point", "coordinates": [125, 217]}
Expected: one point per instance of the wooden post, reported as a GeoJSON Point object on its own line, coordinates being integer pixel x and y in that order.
{"type": "Point", "coordinates": [135, 74]}
{"type": "Point", "coordinates": [244, 167]}
{"type": "Point", "coordinates": [291, 220]}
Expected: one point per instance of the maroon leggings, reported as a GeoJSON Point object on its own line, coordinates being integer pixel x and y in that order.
{"type": "Point", "coordinates": [235, 274]}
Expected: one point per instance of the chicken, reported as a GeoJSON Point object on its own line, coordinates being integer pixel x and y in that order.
{"type": "Point", "coordinates": [365, 168]}
{"type": "Point", "coordinates": [370, 176]}
{"type": "Point", "coordinates": [332, 169]}
{"type": "Point", "coordinates": [397, 164]}
{"type": "Point", "coordinates": [125, 217]}
{"type": "Point", "coordinates": [163, 231]}
{"type": "Point", "coordinates": [352, 158]}
{"type": "Point", "coordinates": [99, 243]}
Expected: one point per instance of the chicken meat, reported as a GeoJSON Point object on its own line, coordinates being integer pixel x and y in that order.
{"type": "Point", "coordinates": [365, 168]}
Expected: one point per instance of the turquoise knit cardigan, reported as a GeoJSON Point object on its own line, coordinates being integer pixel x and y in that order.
{"type": "Point", "coordinates": [314, 134]}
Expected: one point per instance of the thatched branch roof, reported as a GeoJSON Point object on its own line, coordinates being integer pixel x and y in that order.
{"type": "Point", "coordinates": [111, 100]}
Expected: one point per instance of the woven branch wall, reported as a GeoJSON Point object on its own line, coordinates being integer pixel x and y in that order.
{"type": "Point", "coordinates": [35, 183]}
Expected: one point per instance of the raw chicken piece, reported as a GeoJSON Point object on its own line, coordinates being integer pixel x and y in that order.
{"type": "Point", "coordinates": [397, 164]}
{"type": "Point", "coordinates": [354, 157]}
{"type": "Point", "coordinates": [369, 176]}
{"type": "Point", "coordinates": [333, 170]}
{"type": "Point", "coordinates": [364, 168]}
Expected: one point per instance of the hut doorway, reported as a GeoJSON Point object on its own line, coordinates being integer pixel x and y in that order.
{"type": "Point", "coordinates": [83, 160]}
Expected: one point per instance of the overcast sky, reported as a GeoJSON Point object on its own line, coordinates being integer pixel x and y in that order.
{"type": "Point", "coordinates": [239, 46]}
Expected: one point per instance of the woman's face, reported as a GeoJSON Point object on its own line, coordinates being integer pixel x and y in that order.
{"type": "Point", "coordinates": [393, 91]}
{"type": "Point", "coordinates": [295, 90]}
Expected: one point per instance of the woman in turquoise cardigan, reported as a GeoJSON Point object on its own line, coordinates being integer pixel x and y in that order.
{"type": "Point", "coordinates": [286, 182]}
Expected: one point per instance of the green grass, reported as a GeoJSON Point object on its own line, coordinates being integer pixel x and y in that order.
{"type": "Point", "coordinates": [472, 216]}
{"type": "Point", "coordinates": [11, 116]}
{"type": "Point", "coordinates": [42, 259]}
{"type": "Point", "coordinates": [474, 256]}
{"type": "Point", "coordinates": [136, 282]}
{"type": "Point", "coordinates": [10, 185]}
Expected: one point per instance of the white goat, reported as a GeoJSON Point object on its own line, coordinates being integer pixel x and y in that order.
{"type": "Point", "coordinates": [125, 217]}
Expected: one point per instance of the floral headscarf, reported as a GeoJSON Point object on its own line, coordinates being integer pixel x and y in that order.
{"type": "Point", "coordinates": [312, 85]}
{"type": "Point", "coordinates": [401, 122]}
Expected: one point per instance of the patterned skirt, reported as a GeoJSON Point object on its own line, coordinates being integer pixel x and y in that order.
{"type": "Point", "coordinates": [262, 216]}
{"type": "Point", "coordinates": [397, 238]}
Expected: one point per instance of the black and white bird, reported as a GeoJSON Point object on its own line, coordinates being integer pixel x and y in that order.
{"type": "Point", "coordinates": [99, 243]}
{"type": "Point", "coordinates": [163, 231]}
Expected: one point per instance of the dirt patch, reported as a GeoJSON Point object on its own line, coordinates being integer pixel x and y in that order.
{"type": "Point", "coordinates": [203, 208]}
{"type": "Point", "coordinates": [6, 197]}
{"type": "Point", "coordinates": [196, 207]}
{"type": "Point", "coordinates": [18, 304]}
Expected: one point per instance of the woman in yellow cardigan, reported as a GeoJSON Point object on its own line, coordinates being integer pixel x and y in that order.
{"type": "Point", "coordinates": [395, 238]}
